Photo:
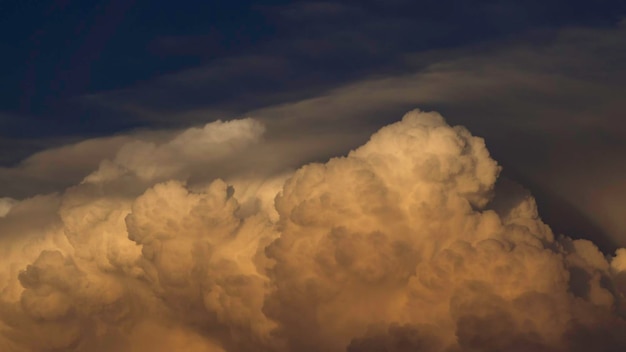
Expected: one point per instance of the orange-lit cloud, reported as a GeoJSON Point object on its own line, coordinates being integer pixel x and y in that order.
{"type": "Point", "coordinates": [405, 244]}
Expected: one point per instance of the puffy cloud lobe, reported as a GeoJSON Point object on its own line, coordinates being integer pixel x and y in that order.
{"type": "Point", "coordinates": [177, 157]}
{"type": "Point", "coordinates": [398, 233]}
{"type": "Point", "coordinates": [198, 255]}
{"type": "Point", "coordinates": [357, 227]}
{"type": "Point", "coordinates": [405, 244]}
{"type": "Point", "coordinates": [66, 307]}
{"type": "Point", "coordinates": [5, 205]}
{"type": "Point", "coordinates": [105, 254]}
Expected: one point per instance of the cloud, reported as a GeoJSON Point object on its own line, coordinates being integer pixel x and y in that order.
{"type": "Point", "coordinates": [90, 273]}
{"type": "Point", "coordinates": [5, 205]}
{"type": "Point", "coordinates": [537, 96]}
{"type": "Point", "coordinates": [544, 107]}
{"type": "Point", "coordinates": [545, 101]}
{"type": "Point", "coordinates": [54, 169]}
{"type": "Point", "coordinates": [151, 162]}
{"type": "Point", "coordinates": [407, 243]}
{"type": "Point", "coordinates": [415, 250]}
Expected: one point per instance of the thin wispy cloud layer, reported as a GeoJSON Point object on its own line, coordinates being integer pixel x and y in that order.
{"type": "Point", "coordinates": [546, 102]}
{"type": "Point", "coordinates": [407, 243]}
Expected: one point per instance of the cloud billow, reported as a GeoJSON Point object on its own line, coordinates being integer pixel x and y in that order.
{"type": "Point", "coordinates": [405, 244]}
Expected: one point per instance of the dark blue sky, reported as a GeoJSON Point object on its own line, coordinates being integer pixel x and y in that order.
{"type": "Point", "coordinates": [56, 52]}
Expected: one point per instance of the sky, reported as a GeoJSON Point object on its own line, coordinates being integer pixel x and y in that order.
{"type": "Point", "coordinates": [237, 176]}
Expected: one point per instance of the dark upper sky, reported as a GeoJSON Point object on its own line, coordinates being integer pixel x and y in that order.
{"type": "Point", "coordinates": [54, 53]}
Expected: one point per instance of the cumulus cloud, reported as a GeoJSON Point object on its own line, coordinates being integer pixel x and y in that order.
{"type": "Point", "coordinates": [54, 169]}
{"type": "Point", "coordinates": [150, 161]}
{"type": "Point", "coordinates": [407, 243]}
{"type": "Point", "coordinates": [6, 204]}
{"type": "Point", "coordinates": [555, 102]}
